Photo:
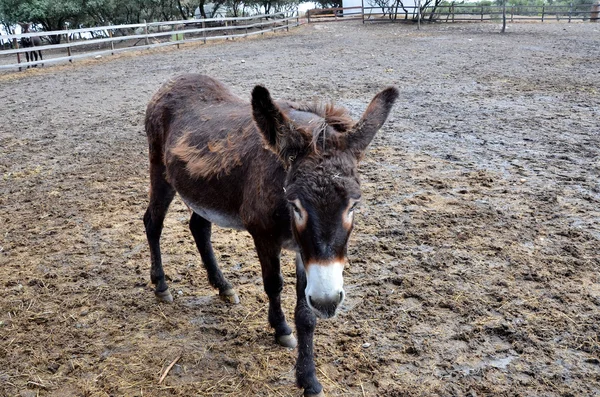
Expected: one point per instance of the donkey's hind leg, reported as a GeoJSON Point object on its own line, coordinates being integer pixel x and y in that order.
{"type": "Point", "coordinates": [201, 230]}
{"type": "Point", "coordinates": [161, 195]}
{"type": "Point", "coordinates": [38, 52]}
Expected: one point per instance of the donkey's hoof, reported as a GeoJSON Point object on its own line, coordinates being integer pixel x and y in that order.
{"type": "Point", "coordinates": [320, 394]}
{"type": "Point", "coordinates": [164, 296]}
{"type": "Point", "coordinates": [288, 341]}
{"type": "Point", "coordinates": [230, 296]}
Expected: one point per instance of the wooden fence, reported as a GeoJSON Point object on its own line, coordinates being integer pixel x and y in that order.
{"type": "Point", "coordinates": [328, 14]}
{"type": "Point", "coordinates": [121, 38]}
{"type": "Point", "coordinates": [458, 12]}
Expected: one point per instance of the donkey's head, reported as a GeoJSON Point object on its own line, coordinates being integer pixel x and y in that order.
{"type": "Point", "coordinates": [320, 148]}
{"type": "Point", "coordinates": [24, 27]}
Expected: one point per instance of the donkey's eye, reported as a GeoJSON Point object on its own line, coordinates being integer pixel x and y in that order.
{"type": "Point", "coordinates": [296, 207]}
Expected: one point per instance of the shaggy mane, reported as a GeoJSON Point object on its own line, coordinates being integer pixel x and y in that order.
{"type": "Point", "coordinates": [336, 117]}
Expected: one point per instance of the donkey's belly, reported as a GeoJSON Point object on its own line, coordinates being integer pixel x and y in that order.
{"type": "Point", "coordinates": [223, 219]}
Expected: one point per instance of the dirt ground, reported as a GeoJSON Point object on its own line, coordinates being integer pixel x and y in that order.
{"type": "Point", "coordinates": [474, 261]}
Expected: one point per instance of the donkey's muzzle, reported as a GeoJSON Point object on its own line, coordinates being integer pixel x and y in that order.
{"type": "Point", "coordinates": [324, 288]}
{"type": "Point", "coordinates": [325, 307]}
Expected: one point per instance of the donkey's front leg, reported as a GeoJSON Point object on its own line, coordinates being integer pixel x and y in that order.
{"type": "Point", "coordinates": [268, 255]}
{"type": "Point", "coordinates": [306, 321]}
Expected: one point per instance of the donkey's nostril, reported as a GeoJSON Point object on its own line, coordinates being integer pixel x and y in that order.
{"type": "Point", "coordinates": [326, 307]}
{"type": "Point", "coordinates": [341, 297]}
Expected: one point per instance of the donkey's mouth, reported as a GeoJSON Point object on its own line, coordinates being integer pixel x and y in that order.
{"type": "Point", "coordinates": [325, 308]}
{"type": "Point", "coordinates": [325, 288]}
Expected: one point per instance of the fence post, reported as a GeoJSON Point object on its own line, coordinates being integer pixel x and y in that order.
{"type": "Point", "coordinates": [287, 24]}
{"type": "Point", "coordinates": [482, 13]}
{"type": "Point", "coordinates": [146, 32]}
{"type": "Point", "coordinates": [512, 12]}
{"type": "Point", "coordinates": [543, 9]}
{"type": "Point", "coordinates": [204, 30]}
{"type": "Point", "coordinates": [595, 12]}
{"type": "Point", "coordinates": [112, 43]}
{"type": "Point", "coordinates": [16, 44]}
{"type": "Point", "coordinates": [570, 11]}
{"type": "Point", "coordinates": [362, 10]}
{"type": "Point", "coordinates": [68, 41]}
{"type": "Point", "coordinates": [308, 15]}
{"type": "Point", "coordinates": [175, 36]}
{"type": "Point", "coordinates": [452, 12]}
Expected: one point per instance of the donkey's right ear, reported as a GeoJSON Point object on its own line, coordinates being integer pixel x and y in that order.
{"type": "Point", "coordinates": [279, 131]}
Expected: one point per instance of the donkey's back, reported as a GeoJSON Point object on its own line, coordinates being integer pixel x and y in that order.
{"type": "Point", "coordinates": [203, 139]}
{"type": "Point", "coordinates": [184, 102]}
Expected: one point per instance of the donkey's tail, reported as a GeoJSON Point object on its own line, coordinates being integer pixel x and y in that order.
{"type": "Point", "coordinates": [157, 120]}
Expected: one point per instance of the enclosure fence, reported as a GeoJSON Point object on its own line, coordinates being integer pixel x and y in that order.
{"type": "Point", "coordinates": [369, 12]}
{"type": "Point", "coordinates": [121, 38]}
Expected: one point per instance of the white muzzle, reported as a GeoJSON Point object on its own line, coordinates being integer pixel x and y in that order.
{"type": "Point", "coordinates": [325, 288]}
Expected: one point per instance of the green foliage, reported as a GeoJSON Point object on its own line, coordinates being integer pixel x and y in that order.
{"type": "Point", "coordinates": [53, 14]}
{"type": "Point", "coordinates": [271, 6]}
{"type": "Point", "coordinates": [329, 3]}
{"type": "Point", "coordinates": [50, 14]}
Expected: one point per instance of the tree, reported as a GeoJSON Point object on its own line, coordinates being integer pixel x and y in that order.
{"type": "Point", "coordinates": [286, 5]}
{"type": "Point", "coordinates": [262, 5]}
{"type": "Point", "coordinates": [50, 14]}
{"type": "Point", "coordinates": [201, 6]}
{"type": "Point", "coordinates": [383, 4]}
{"type": "Point", "coordinates": [329, 3]}
{"type": "Point", "coordinates": [186, 8]}
{"type": "Point", "coordinates": [235, 6]}
{"type": "Point", "coordinates": [53, 14]}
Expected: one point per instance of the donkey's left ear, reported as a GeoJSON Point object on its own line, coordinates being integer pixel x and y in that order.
{"type": "Point", "coordinates": [279, 132]}
{"type": "Point", "coordinates": [362, 133]}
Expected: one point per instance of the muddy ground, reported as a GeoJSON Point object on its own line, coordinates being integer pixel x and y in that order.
{"type": "Point", "coordinates": [474, 261]}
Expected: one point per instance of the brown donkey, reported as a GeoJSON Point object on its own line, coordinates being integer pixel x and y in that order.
{"type": "Point", "coordinates": [31, 42]}
{"type": "Point", "coordinates": [285, 172]}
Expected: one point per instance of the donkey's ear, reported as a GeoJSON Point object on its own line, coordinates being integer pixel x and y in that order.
{"type": "Point", "coordinates": [362, 133]}
{"type": "Point", "coordinates": [279, 132]}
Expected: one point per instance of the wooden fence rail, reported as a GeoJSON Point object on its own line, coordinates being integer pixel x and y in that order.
{"type": "Point", "coordinates": [325, 14]}
{"type": "Point", "coordinates": [153, 35]}
{"type": "Point", "coordinates": [458, 12]}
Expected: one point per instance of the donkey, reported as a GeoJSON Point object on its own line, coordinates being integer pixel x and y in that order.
{"type": "Point", "coordinates": [27, 42]}
{"type": "Point", "coordinates": [283, 171]}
